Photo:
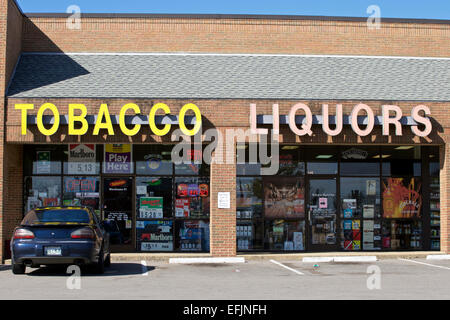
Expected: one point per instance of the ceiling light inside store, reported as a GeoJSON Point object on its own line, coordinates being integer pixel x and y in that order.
{"type": "Point", "coordinates": [404, 147]}
{"type": "Point", "coordinates": [289, 147]}
{"type": "Point", "coordinates": [324, 156]}
{"type": "Point", "coordinates": [383, 156]}
{"type": "Point", "coordinates": [241, 146]}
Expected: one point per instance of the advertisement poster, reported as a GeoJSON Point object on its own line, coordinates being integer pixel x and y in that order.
{"type": "Point", "coordinates": [323, 203]}
{"type": "Point", "coordinates": [298, 241]}
{"type": "Point", "coordinates": [118, 158]}
{"type": "Point", "coordinates": [154, 235]}
{"type": "Point", "coordinates": [182, 208]}
{"type": "Point", "coordinates": [349, 207]}
{"type": "Point", "coordinates": [368, 211]}
{"type": "Point", "coordinates": [371, 187]}
{"type": "Point", "coordinates": [402, 198]}
{"type": "Point", "coordinates": [191, 236]}
{"type": "Point", "coordinates": [82, 159]}
{"type": "Point", "coordinates": [43, 162]}
{"type": "Point", "coordinates": [284, 197]}
{"type": "Point", "coordinates": [150, 207]}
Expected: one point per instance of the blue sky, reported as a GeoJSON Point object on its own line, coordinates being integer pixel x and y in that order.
{"type": "Point", "coordinates": [427, 9]}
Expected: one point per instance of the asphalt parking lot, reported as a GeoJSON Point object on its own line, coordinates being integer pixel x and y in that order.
{"type": "Point", "coordinates": [254, 280]}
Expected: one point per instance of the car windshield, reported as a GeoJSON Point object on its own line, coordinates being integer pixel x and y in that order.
{"type": "Point", "coordinates": [57, 216]}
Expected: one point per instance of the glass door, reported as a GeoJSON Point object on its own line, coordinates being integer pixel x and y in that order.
{"type": "Point", "coordinates": [322, 214]}
{"type": "Point", "coordinates": [117, 210]}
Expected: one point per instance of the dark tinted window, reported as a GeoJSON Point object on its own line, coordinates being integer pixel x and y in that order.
{"type": "Point", "coordinates": [56, 215]}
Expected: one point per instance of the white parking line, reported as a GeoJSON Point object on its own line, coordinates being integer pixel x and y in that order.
{"type": "Point", "coordinates": [286, 267]}
{"type": "Point", "coordinates": [426, 264]}
{"type": "Point", "coordinates": [144, 268]}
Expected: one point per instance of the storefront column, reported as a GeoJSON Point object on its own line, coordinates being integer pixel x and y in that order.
{"type": "Point", "coordinates": [12, 192]}
{"type": "Point", "coordinates": [444, 155]}
{"type": "Point", "coordinates": [223, 221]}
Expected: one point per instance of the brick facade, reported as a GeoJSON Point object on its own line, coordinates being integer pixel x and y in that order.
{"type": "Point", "coordinates": [209, 34]}
{"type": "Point", "coordinates": [10, 47]}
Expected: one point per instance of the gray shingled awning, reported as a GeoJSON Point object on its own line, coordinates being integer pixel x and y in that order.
{"type": "Point", "coordinates": [202, 76]}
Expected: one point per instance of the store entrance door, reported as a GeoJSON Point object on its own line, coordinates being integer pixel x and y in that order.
{"type": "Point", "coordinates": [117, 210]}
{"type": "Point", "coordinates": [322, 214]}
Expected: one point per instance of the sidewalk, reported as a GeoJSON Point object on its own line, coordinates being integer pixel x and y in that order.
{"type": "Point", "coordinates": [164, 257]}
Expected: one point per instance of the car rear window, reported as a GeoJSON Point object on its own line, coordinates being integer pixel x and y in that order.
{"type": "Point", "coordinates": [56, 216]}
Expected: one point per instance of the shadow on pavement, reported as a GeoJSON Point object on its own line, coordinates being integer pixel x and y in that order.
{"type": "Point", "coordinates": [115, 270]}
{"type": "Point", "coordinates": [5, 267]}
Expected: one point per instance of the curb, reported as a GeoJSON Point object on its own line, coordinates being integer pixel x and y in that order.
{"type": "Point", "coordinates": [206, 260]}
{"type": "Point", "coordinates": [341, 259]}
{"type": "Point", "coordinates": [438, 257]}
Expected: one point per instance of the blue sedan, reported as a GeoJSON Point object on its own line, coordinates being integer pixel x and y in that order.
{"type": "Point", "coordinates": [60, 235]}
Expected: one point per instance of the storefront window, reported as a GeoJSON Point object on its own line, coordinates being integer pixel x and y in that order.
{"type": "Point", "coordinates": [249, 235]}
{"type": "Point", "coordinates": [284, 197]}
{"type": "Point", "coordinates": [289, 161]}
{"type": "Point", "coordinates": [42, 192]}
{"type": "Point", "coordinates": [194, 166]}
{"type": "Point", "coordinates": [402, 198]}
{"type": "Point", "coordinates": [360, 161]}
{"type": "Point", "coordinates": [322, 160]}
{"type": "Point", "coordinates": [285, 235]}
{"type": "Point", "coordinates": [153, 159]}
{"type": "Point", "coordinates": [401, 161]}
{"type": "Point", "coordinates": [401, 235]}
{"type": "Point", "coordinates": [192, 235]}
{"type": "Point", "coordinates": [360, 214]}
{"type": "Point", "coordinates": [244, 165]}
{"type": "Point", "coordinates": [82, 159]}
{"type": "Point", "coordinates": [192, 197]}
{"type": "Point", "coordinates": [248, 198]}
{"type": "Point", "coordinates": [435, 199]}
{"type": "Point", "coordinates": [43, 159]}
{"type": "Point", "coordinates": [154, 235]}
{"type": "Point", "coordinates": [82, 191]}
{"type": "Point", "coordinates": [153, 198]}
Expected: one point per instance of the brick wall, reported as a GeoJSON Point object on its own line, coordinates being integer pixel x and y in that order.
{"type": "Point", "coordinates": [10, 47]}
{"type": "Point", "coordinates": [223, 221]}
{"type": "Point", "coordinates": [231, 35]}
{"type": "Point", "coordinates": [445, 195]}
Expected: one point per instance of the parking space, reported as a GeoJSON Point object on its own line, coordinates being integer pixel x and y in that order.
{"type": "Point", "coordinates": [262, 279]}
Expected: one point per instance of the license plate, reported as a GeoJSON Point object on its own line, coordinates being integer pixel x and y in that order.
{"type": "Point", "coordinates": [53, 251]}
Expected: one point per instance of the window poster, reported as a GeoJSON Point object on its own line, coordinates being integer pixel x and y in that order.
{"type": "Point", "coordinates": [43, 162]}
{"type": "Point", "coordinates": [298, 241]}
{"type": "Point", "coordinates": [284, 197]}
{"type": "Point", "coordinates": [154, 235]}
{"type": "Point", "coordinates": [182, 208]}
{"type": "Point", "coordinates": [118, 158]}
{"type": "Point", "coordinates": [82, 159]}
{"type": "Point", "coordinates": [191, 236]}
{"type": "Point", "coordinates": [371, 187]}
{"type": "Point", "coordinates": [349, 207]}
{"type": "Point", "coordinates": [352, 235]}
{"type": "Point", "coordinates": [150, 207]}
{"type": "Point", "coordinates": [368, 211]}
{"type": "Point", "coordinates": [402, 198]}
